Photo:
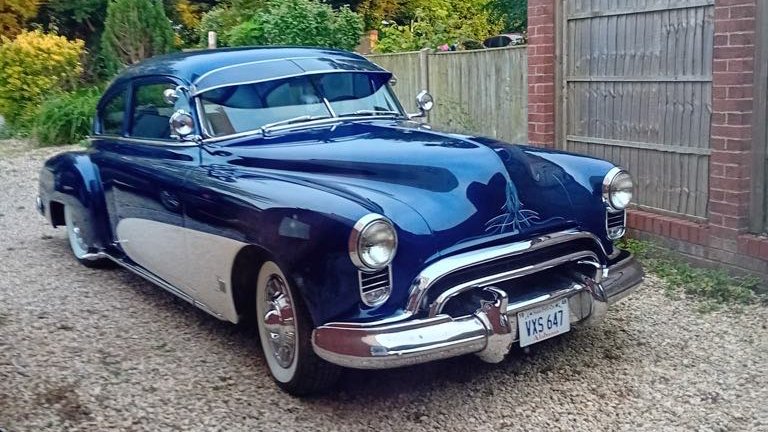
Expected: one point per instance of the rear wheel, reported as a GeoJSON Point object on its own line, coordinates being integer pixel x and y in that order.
{"type": "Point", "coordinates": [81, 249]}
{"type": "Point", "coordinates": [285, 330]}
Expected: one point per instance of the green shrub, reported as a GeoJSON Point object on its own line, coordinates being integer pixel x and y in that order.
{"type": "Point", "coordinates": [226, 16]}
{"type": "Point", "coordinates": [134, 30]}
{"type": "Point", "coordinates": [712, 287]}
{"type": "Point", "coordinates": [299, 22]}
{"type": "Point", "coordinates": [66, 118]}
{"type": "Point", "coordinates": [31, 66]}
{"type": "Point", "coordinates": [439, 22]}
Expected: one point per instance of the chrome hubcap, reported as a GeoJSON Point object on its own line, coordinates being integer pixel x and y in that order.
{"type": "Point", "coordinates": [75, 234]}
{"type": "Point", "coordinates": [279, 321]}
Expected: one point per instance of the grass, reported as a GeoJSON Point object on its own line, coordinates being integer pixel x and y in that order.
{"type": "Point", "coordinates": [713, 288]}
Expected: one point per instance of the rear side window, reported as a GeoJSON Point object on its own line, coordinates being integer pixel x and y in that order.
{"type": "Point", "coordinates": [112, 115]}
{"type": "Point", "coordinates": [151, 113]}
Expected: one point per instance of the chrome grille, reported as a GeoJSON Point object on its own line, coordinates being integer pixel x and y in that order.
{"type": "Point", "coordinates": [375, 287]}
{"type": "Point", "coordinates": [615, 224]}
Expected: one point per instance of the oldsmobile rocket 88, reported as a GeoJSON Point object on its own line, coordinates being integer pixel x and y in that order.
{"type": "Point", "coordinates": [288, 187]}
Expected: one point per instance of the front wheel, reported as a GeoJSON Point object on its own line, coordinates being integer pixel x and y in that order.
{"type": "Point", "coordinates": [285, 331]}
{"type": "Point", "coordinates": [78, 244]}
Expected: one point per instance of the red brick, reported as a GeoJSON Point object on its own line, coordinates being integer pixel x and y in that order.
{"type": "Point", "coordinates": [764, 249]}
{"type": "Point", "coordinates": [732, 78]}
{"type": "Point", "coordinates": [734, 25]}
{"type": "Point", "coordinates": [541, 107]}
{"type": "Point", "coordinates": [740, 39]}
{"type": "Point", "coordinates": [717, 195]}
{"type": "Point", "coordinates": [735, 144]}
{"type": "Point", "coordinates": [734, 52]}
{"type": "Point", "coordinates": [738, 105]}
{"type": "Point", "coordinates": [745, 11]}
{"type": "Point", "coordinates": [727, 131]}
{"type": "Point", "coordinates": [727, 184]}
{"type": "Point", "coordinates": [723, 4]}
{"type": "Point", "coordinates": [740, 92]}
{"type": "Point", "coordinates": [539, 79]}
{"type": "Point", "coordinates": [719, 92]}
{"type": "Point", "coordinates": [729, 157]}
{"type": "Point", "coordinates": [739, 118]}
{"type": "Point", "coordinates": [738, 171]}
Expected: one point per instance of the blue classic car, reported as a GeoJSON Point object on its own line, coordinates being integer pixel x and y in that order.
{"type": "Point", "coordinates": [287, 187]}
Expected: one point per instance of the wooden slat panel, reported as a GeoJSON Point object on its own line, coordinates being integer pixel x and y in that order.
{"type": "Point", "coordinates": [482, 92]}
{"type": "Point", "coordinates": [405, 66]}
{"type": "Point", "coordinates": [638, 91]}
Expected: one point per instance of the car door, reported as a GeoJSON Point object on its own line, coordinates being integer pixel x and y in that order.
{"type": "Point", "coordinates": [143, 169]}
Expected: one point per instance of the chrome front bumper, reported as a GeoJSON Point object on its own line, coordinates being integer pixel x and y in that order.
{"type": "Point", "coordinates": [489, 332]}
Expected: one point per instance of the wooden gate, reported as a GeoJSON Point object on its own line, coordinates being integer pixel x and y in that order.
{"type": "Point", "coordinates": [637, 90]}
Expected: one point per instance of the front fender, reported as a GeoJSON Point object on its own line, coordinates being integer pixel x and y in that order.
{"type": "Point", "coordinates": [305, 228]}
{"type": "Point", "coordinates": [71, 179]}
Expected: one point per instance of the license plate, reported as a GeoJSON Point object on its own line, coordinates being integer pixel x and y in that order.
{"type": "Point", "coordinates": [543, 322]}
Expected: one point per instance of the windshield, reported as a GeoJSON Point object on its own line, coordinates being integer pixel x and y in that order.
{"type": "Point", "coordinates": [247, 107]}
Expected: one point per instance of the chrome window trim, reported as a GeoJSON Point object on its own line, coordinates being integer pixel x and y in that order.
{"type": "Point", "coordinates": [298, 126]}
{"type": "Point", "coordinates": [154, 142]}
{"type": "Point", "coordinates": [360, 274]}
{"type": "Point", "coordinates": [197, 92]}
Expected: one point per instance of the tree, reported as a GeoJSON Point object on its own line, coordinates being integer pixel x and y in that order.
{"type": "Point", "coordinates": [134, 30]}
{"type": "Point", "coordinates": [14, 14]}
{"type": "Point", "coordinates": [430, 23]}
{"type": "Point", "coordinates": [298, 22]}
{"type": "Point", "coordinates": [513, 13]}
{"type": "Point", "coordinates": [77, 19]}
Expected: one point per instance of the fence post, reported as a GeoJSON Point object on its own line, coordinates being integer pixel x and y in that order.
{"type": "Point", "coordinates": [424, 72]}
{"type": "Point", "coordinates": [211, 39]}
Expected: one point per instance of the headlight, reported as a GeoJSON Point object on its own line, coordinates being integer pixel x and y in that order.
{"type": "Point", "coordinates": [617, 188]}
{"type": "Point", "coordinates": [373, 243]}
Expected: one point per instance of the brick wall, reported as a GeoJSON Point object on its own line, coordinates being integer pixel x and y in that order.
{"type": "Point", "coordinates": [723, 239]}
{"type": "Point", "coordinates": [541, 72]}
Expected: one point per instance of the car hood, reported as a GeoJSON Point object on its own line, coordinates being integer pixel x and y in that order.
{"type": "Point", "coordinates": [469, 191]}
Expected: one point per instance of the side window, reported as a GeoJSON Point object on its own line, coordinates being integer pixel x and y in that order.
{"type": "Point", "coordinates": [112, 115]}
{"type": "Point", "coordinates": [150, 113]}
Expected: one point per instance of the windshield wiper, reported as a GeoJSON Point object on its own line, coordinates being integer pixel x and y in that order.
{"type": "Point", "coordinates": [370, 113]}
{"type": "Point", "coordinates": [300, 119]}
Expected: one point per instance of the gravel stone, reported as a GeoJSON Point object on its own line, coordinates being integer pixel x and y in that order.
{"type": "Point", "coordinates": [96, 350]}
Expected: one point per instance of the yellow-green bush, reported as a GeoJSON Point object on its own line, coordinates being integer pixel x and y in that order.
{"type": "Point", "coordinates": [32, 66]}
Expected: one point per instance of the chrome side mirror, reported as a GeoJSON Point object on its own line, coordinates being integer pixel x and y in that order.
{"type": "Point", "coordinates": [182, 124]}
{"type": "Point", "coordinates": [170, 96]}
{"type": "Point", "coordinates": [425, 102]}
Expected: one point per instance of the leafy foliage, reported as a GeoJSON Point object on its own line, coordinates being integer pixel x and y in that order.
{"type": "Point", "coordinates": [77, 19]}
{"type": "Point", "coordinates": [713, 287]}
{"type": "Point", "coordinates": [135, 30]}
{"type": "Point", "coordinates": [513, 13]}
{"type": "Point", "coordinates": [437, 22]}
{"type": "Point", "coordinates": [227, 15]}
{"type": "Point", "coordinates": [14, 14]}
{"type": "Point", "coordinates": [31, 66]}
{"type": "Point", "coordinates": [66, 118]}
{"type": "Point", "coordinates": [299, 22]}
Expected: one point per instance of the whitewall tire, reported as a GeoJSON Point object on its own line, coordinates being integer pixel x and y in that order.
{"type": "Point", "coordinates": [285, 331]}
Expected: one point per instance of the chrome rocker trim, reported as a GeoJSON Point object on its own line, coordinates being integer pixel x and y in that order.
{"type": "Point", "coordinates": [489, 332]}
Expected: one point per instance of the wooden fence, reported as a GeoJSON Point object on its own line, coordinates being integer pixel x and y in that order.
{"type": "Point", "coordinates": [481, 92]}
{"type": "Point", "coordinates": [637, 90]}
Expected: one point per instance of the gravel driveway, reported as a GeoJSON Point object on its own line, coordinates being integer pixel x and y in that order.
{"type": "Point", "coordinates": [84, 349]}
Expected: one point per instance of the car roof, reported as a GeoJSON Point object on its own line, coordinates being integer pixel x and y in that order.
{"type": "Point", "coordinates": [191, 66]}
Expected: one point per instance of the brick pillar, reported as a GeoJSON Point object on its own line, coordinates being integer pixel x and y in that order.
{"type": "Point", "coordinates": [731, 141]}
{"type": "Point", "coordinates": [541, 72]}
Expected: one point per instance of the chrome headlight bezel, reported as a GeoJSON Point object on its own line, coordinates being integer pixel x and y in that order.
{"type": "Point", "coordinates": [360, 232]}
{"type": "Point", "coordinates": [612, 187]}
